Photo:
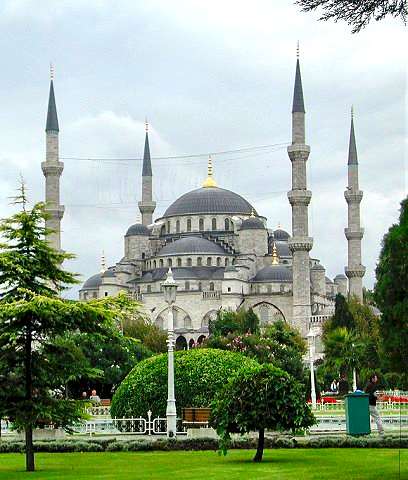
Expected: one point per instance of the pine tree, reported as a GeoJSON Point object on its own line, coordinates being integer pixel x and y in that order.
{"type": "Point", "coordinates": [35, 359]}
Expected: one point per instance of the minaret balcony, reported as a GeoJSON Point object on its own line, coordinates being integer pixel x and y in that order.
{"type": "Point", "coordinates": [55, 211]}
{"type": "Point", "coordinates": [53, 169]}
{"type": "Point", "coordinates": [298, 152]}
{"type": "Point", "coordinates": [300, 244]}
{"type": "Point", "coordinates": [353, 196]}
{"type": "Point", "coordinates": [354, 233]}
{"type": "Point", "coordinates": [299, 197]}
{"type": "Point", "coordinates": [356, 271]}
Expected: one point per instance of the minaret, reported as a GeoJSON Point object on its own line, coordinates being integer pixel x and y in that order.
{"type": "Point", "coordinates": [299, 197]}
{"type": "Point", "coordinates": [52, 169]}
{"type": "Point", "coordinates": [147, 206]}
{"type": "Point", "coordinates": [354, 233]}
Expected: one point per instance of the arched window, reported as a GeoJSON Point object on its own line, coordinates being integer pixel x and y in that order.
{"type": "Point", "coordinates": [211, 286]}
{"type": "Point", "coordinates": [188, 224]}
{"type": "Point", "coordinates": [189, 262]}
{"type": "Point", "coordinates": [163, 230]}
{"type": "Point", "coordinates": [199, 261]}
{"type": "Point", "coordinates": [264, 314]}
{"type": "Point", "coordinates": [149, 289]}
{"type": "Point", "coordinates": [209, 262]}
{"type": "Point", "coordinates": [187, 285]}
{"type": "Point", "coordinates": [161, 262]}
{"type": "Point", "coordinates": [218, 261]}
{"type": "Point", "coordinates": [214, 224]}
{"type": "Point", "coordinates": [227, 224]}
{"type": "Point", "coordinates": [143, 255]}
{"type": "Point", "coordinates": [154, 264]}
{"type": "Point", "coordinates": [269, 288]}
{"type": "Point", "coordinates": [201, 224]}
{"type": "Point", "coordinates": [169, 262]}
{"type": "Point", "coordinates": [226, 262]}
{"type": "Point", "coordinates": [178, 226]}
{"type": "Point", "coordinates": [179, 262]}
{"type": "Point", "coordinates": [200, 286]}
{"type": "Point", "coordinates": [168, 227]}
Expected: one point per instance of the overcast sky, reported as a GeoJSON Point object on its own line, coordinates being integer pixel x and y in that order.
{"type": "Point", "coordinates": [210, 76]}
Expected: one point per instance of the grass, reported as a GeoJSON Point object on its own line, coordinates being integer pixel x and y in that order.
{"type": "Point", "coordinates": [356, 464]}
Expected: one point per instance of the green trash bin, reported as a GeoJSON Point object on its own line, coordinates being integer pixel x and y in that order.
{"type": "Point", "coordinates": [357, 413]}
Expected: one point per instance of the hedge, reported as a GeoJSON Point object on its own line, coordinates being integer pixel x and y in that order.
{"type": "Point", "coordinates": [140, 444]}
{"type": "Point", "coordinates": [199, 374]}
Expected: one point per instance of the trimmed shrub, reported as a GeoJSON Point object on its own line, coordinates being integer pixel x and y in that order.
{"type": "Point", "coordinates": [199, 374]}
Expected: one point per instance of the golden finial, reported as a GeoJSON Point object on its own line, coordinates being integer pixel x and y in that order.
{"type": "Point", "coordinates": [146, 125]}
{"type": "Point", "coordinates": [209, 181]}
{"type": "Point", "coordinates": [297, 50]}
{"type": "Point", "coordinates": [275, 256]}
{"type": "Point", "coordinates": [103, 262]}
{"type": "Point", "coordinates": [52, 72]}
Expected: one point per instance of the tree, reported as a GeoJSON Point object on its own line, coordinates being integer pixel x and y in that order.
{"type": "Point", "coordinates": [391, 293]}
{"type": "Point", "coordinates": [342, 316]}
{"type": "Point", "coordinates": [35, 362]}
{"type": "Point", "coordinates": [152, 337]}
{"type": "Point", "coordinates": [358, 14]}
{"type": "Point", "coordinates": [243, 321]}
{"type": "Point", "coordinates": [259, 397]}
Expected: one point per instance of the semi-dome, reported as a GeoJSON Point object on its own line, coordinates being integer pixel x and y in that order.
{"type": "Point", "coordinates": [209, 200]}
{"type": "Point", "coordinates": [280, 234]}
{"type": "Point", "coordinates": [137, 229]}
{"type": "Point", "coordinates": [93, 282]}
{"type": "Point", "coordinates": [283, 249]}
{"type": "Point", "coordinates": [273, 273]}
{"type": "Point", "coordinates": [317, 266]}
{"type": "Point", "coordinates": [193, 245]}
{"type": "Point", "coordinates": [340, 276]}
{"type": "Point", "coordinates": [252, 223]}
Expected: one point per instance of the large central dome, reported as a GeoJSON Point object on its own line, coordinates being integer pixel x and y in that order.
{"type": "Point", "coordinates": [209, 200]}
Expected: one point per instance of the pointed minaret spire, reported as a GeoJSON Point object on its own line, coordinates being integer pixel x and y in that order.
{"type": "Point", "coordinates": [52, 169]}
{"type": "Point", "coordinates": [103, 262]}
{"type": "Point", "coordinates": [52, 117]}
{"type": "Point", "coordinates": [298, 102]}
{"type": "Point", "coordinates": [354, 233]}
{"type": "Point", "coordinates": [147, 205]}
{"type": "Point", "coordinates": [352, 157]}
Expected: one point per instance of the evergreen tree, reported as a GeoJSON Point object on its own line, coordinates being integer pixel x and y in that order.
{"type": "Point", "coordinates": [342, 316]}
{"type": "Point", "coordinates": [391, 293]}
{"type": "Point", "coordinates": [36, 361]}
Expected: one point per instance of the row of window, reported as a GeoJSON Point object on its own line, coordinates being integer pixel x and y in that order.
{"type": "Point", "coordinates": [201, 225]}
{"type": "Point", "coordinates": [189, 262]}
{"type": "Point", "coordinates": [187, 286]}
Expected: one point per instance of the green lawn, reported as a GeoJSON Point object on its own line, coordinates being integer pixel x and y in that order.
{"type": "Point", "coordinates": [278, 464]}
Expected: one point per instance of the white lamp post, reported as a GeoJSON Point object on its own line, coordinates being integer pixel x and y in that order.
{"type": "Point", "coordinates": [311, 337]}
{"type": "Point", "coordinates": [170, 288]}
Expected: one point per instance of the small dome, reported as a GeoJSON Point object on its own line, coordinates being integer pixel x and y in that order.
{"type": "Point", "coordinates": [93, 282]}
{"type": "Point", "coordinates": [109, 273]}
{"type": "Point", "coordinates": [209, 200]}
{"type": "Point", "coordinates": [252, 223]}
{"type": "Point", "coordinates": [282, 235]}
{"type": "Point", "coordinates": [274, 273]}
{"type": "Point", "coordinates": [193, 245]}
{"type": "Point", "coordinates": [138, 229]}
{"type": "Point", "coordinates": [340, 276]}
{"type": "Point", "coordinates": [317, 266]}
{"type": "Point", "coordinates": [283, 249]}
{"type": "Point", "coordinates": [328, 280]}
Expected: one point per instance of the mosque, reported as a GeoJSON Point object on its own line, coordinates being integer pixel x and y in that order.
{"type": "Point", "coordinates": [220, 249]}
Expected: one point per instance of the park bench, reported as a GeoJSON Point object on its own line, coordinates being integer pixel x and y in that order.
{"type": "Point", "coordinates": [194, 417]}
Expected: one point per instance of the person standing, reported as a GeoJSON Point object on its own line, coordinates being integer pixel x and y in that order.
{"type": "Point", "coordinates": [371, 388]}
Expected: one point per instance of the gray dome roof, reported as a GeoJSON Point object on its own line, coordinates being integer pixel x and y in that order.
{"type": "Point", "coordinates": [283, 249]}
{"type": "Point", "coordinates": [273, 273]}
{"type": "Point", "coordinates": [328, 280]}
{"type": "Point", "coordinates": [93, 282]}
{"type": "Point", "coordinates": [137, 229]}
{"type": "Point", "coordinates": [109, 273]}
{"type": "Point", "coordinates": [317, 266]}
{"type": "Point", "coordinates": [191, 245]}
{"type": "Point", "coordinates": [280, 234]}
{"type": "Point", "coordinates": [252, 223]}
{"type": "Point", "coordinates": [340, 276]}
{"type": "Point", "coordinates": [209, 200]}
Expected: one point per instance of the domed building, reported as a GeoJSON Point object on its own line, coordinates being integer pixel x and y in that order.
{"type": "Point", "coordinates": [221, 251]}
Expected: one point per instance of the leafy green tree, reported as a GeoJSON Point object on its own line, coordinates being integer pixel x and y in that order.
{"type": "Point", "coordinates": [391, 293]}
{"type": "Point", "coordinates": [358, 14]}
{"type": "Point", "coordinates": [259, 397]}
{"type": "Point", "coordinates": [240, 322]}
{"type": "Point", "coordinates": [152, 337]}
{"type": "Point", "coordinates": [35, 363]}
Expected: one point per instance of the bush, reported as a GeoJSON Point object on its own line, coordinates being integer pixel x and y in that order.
{"type": "Point", "coordinates": [199, 375]}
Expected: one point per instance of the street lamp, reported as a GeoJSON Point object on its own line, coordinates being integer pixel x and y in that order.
{"type": "Point", "coordinates": [311, 337]}
{"type": "Point", "coordinates": [354, 370]}
{"type": "Point", "coordinates": [170, 289]}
